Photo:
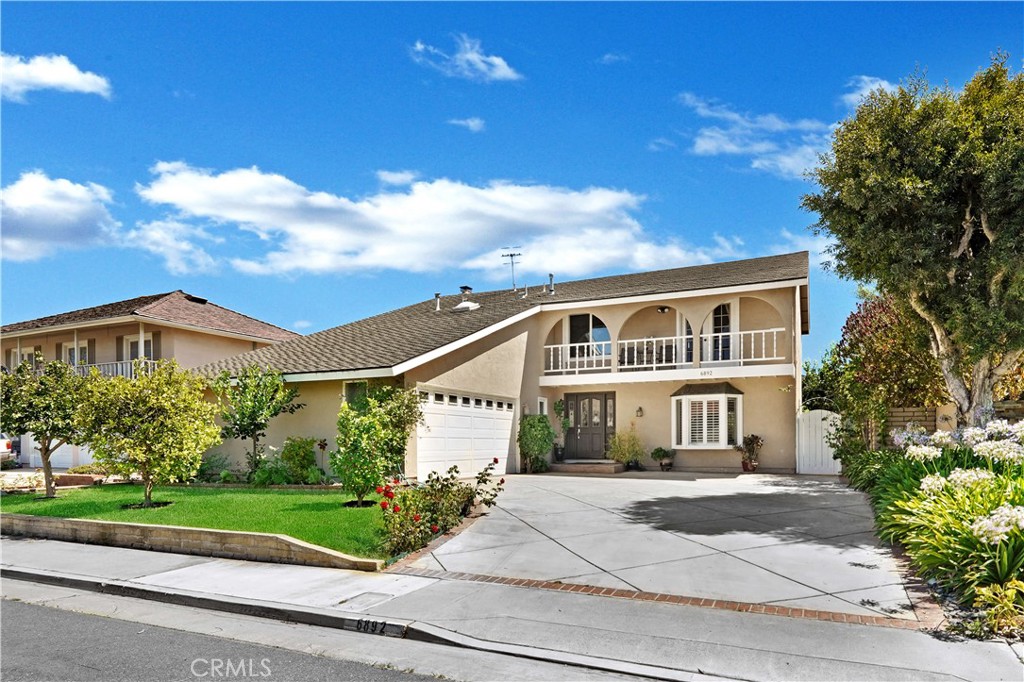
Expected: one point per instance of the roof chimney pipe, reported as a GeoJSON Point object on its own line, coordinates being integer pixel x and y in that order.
{"type": "Point", "coordinates": [466, 290]}
{"type": "Point", "coordinates": [437, 301]}
{"type": "Point", "coordinates": [551, 284]}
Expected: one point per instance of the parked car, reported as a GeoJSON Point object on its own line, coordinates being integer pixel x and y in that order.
{"type": "Point", "coordinates": [6, 447]}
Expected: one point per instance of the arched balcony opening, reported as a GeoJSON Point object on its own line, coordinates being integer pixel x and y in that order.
{"type": "Point", "coordinates": [580, 343]}
{"type": "Point", "coordinates": [655, 338]}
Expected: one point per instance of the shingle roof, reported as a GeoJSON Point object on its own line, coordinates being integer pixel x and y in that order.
{"type": "Point", "coordinates": [175, 306]}
{"type": "Point", "coordinates": [391, 338]}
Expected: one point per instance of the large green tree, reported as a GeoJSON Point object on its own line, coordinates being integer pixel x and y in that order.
{"type": "Point", "coordinates": [156, 425]}
{"type": "Point", "coordinates": [922, 193]}
{"type": "Point", "coordinates": [43, 404]}
{"type": "Point", "coordinates": [249, 401]}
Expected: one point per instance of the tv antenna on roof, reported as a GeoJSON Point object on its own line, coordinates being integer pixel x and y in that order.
{"type": "Point", "coordinates": [512, 261]}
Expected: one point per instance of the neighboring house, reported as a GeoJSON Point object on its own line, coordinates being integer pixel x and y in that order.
{"type": "Point", "coordinates": [695, 357]}
{"type": "Point", "coordinates": [176, 325]}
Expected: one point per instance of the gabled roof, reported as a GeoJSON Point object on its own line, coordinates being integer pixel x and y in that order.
{"type": "Point", "coordinates": [392, 338]}
{"type": "Point", "coordinates": [175, 307]}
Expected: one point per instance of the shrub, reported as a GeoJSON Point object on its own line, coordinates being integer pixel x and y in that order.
{"type": "Point", "coordinates": [536, 438]}
{"type": "Point", "coordinates": [273, 471]}
{"type": "Point", "coordinates": [6, 464]}
{"type": "Point", "coordinates": [209, 470]}
{"type": "Point", "coordinates": [626, 447]}
{"type": "Point", "coordinates": [92, 468]}
{"type": "Point", "coordinates": [314, 476]}
{"type": "Point", "coordinates": [228, 476]}
{"type": "Point", "coordinates": [1004, 607]}
{"type": "Point", "coordinates": [414, 515]}
{"type": "Point", "coordinates": [298, 455]}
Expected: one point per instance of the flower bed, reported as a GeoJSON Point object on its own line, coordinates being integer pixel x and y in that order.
{"type": "Point", "coordinates": [955, 501]}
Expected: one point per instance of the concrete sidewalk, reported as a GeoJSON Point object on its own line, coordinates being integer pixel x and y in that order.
{"type": "Point", "coordinates": [665, 641]}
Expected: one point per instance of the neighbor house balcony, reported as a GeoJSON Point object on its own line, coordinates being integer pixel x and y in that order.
{"type": "Point", "coordinates": [740, 353]}
{"type": "Point", "coordinates": [123, 368]}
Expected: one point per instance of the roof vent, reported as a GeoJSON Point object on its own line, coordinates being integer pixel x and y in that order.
{"type": "Point", "coordinates": [437, 301]}
{"type": "Point", "coordinates": [466, 306]}
{"type": "Point", "coordinates": [466, 290]}
{"type": "Point", "coordinates": [195, 299]}
{"type": "Point", "coordinates": [551, 284]}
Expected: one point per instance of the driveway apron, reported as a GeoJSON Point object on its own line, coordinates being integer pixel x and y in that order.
{"type": "Point", "coordinates": [804, 542]}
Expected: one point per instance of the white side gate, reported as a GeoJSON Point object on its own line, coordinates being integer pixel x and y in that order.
{"type": "Point", "coordinates": [813, 454]}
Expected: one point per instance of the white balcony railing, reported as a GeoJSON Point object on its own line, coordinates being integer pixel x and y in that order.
{"type": "Point", "coordinates": [757, 345]}
{"type": "Point", "coordinates": [572, 358]}
{"type": "Point", "coordinates": [669, 352]}
{"type": "Point", "coordinates": [125, 368]}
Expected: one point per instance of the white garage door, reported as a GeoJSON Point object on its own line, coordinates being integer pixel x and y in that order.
{"type": "Point", "coordinates": [64, 457]}
{"type": "Point", "coordinates": [464, 430]}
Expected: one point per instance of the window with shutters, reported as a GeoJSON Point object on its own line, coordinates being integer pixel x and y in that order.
{"type": "Point", "coordinates": [706, 422]}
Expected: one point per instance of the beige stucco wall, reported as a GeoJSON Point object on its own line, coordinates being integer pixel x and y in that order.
{"type": "Point", "coordinates": [192, 349]}
{"type": "Point", "coordinates": [317, 419]}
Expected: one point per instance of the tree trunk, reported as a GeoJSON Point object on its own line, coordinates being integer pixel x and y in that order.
{"type": "Point", "coordinates": [254, 457]}
{"type": "Point", "coordinates": [44, 454]}
{"type": "Point", "coordinates": [148, 499]}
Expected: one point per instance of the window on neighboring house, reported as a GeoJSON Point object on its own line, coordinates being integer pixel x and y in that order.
{"type": "Point", "coordinates": [355, 391]}
{"type": "Point", "coordinates": [706, 421]}
{"type": "Point", "coordinates": [131, 347]}
{"type": "Point", "coordinates": [76, 355]}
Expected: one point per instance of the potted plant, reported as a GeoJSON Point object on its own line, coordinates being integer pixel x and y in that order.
{"type": "Point", "coordinates": [663, 457]}
{"type": "Point", "coordinates": [750, 448]}
{"type": "Point", "coordinates": [563, 427]}
{"type": "Point", "coordinates": [627, 448]}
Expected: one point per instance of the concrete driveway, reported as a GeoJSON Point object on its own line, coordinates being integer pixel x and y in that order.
{"type": "Point", "coordinates": [804, 542]}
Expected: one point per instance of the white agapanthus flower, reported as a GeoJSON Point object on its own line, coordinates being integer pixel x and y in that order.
{"type": "Point", "coordinates": [1006, 451]}
{"type": "Point", "coordinates": [933, 483]}
{"type": "Point", "coordinates": [922, 453]}
{"type": "Point", "coordinates": [966, 478]}
{"type": "Point", "coordinates": [995, 527]}
{"type": "Point", "coordinates": [998, 429]}
{"type": "Point", "coordinates": [973, 435]}
{"type": "Point", "coordinates": [941, 438]}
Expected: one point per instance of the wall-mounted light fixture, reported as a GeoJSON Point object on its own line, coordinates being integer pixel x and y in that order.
{"type": "Point", "coordinates": [662, 309]}
{"type": "Point", "coordinates": [639, 411]}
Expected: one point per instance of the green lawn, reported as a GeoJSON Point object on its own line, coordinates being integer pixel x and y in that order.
{"type": "Point", "coordinates": [316, 516]}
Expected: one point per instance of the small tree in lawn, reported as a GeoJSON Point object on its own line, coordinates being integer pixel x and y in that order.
{"type": "Point", "coordinates": [156, 425]}
{"type": "Point", "coordinates": [372, 436]}
{"type": "Point", "coordinates": [44, 405]}
{"type": "Point", "coordinates": [249, 401]}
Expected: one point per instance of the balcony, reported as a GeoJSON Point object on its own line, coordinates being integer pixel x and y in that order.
{"type": "Point", "coordinates": [662, 354]}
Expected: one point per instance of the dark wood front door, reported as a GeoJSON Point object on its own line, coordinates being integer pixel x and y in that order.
{"type": "Point", "coordinates": [591, 424]}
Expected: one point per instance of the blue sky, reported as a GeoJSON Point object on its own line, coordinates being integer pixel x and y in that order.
{"type": "Point", "coordinates": [311, 164]}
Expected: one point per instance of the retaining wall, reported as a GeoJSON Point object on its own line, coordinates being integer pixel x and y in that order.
{"type": "Point", "coordinates": [227, 544]}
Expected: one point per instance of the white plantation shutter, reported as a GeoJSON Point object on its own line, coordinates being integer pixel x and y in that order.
{"type": "Point", "coordinates": [696, 422]}
{"type": "Point", "coordinates": [714, 425]}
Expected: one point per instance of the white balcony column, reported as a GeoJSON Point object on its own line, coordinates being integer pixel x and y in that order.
{"type": "Point", "coordinates": [798, 326]}
{"type": "Point", "coordinates": [614, 350]}
{"type": "Point", "coordinates": [17, 359]}
{"type": "Point", "coordinates": [142, 341]}
{"type": "Point", "coordinates": [78, 360]}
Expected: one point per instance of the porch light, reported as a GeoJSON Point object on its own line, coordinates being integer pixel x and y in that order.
{"type": "Point", "coordinates": [639, 411]}
{"type": "Point", "coordinates": [662, 309]}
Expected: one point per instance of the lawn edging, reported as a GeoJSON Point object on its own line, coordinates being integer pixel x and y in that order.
{"type": "Point", "coordinates": [227, 544]}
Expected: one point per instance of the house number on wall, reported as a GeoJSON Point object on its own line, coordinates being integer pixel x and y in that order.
{"type": "Point", "coordinates": [707, 373]}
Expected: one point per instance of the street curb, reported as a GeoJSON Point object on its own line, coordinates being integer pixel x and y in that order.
{"type": "Point", "coordinates": [330, 618]}
{"type": "Point", "coordinates": [310, 615]}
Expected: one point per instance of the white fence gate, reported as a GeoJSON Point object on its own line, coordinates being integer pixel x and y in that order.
{"type": "Point", "coordinates": [813, 454]}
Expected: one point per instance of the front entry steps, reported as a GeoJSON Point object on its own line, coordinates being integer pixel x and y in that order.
{"type": "Point", "coordinates": [587, 466]}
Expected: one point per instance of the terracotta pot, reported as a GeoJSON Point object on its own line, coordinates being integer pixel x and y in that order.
{"type": "Point", "coordinates": [749, 466]}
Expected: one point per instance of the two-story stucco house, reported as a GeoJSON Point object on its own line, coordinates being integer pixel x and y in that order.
{"type": "Point", "coordinates": [176, 325]}
{"type": "Point", "coordinates": [694, 357]}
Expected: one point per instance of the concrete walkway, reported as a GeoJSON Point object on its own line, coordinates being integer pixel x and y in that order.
{"type": "Point", "coordinates": [659, 640]}
{"type": "Point", "coordinates": [803, 542]}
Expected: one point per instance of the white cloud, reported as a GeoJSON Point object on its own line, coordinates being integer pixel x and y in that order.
{"type": "Point", "coordinates": [660, 144]}
{"type": "Point", "coordinates": [816, 245]}
{"type": "Point", "coordinates": [174, 242]}
{"type": "Point", "coordinates": [787, 148]}
{"type": "Point", "coordinates": [613, 58]}
{"type": "Point", "coordinates": [474, 125]}
{"type": "Point", "coordinates": [469, 61]}
{"type": "Point", "coordinates": [41, 215]}
{"type": "Point", "coordinates": [301, 324]}
{"type": "Point", "coordinates": [862, 86]}
{"type": "Point", "coordinates": [47, 72]}
{"type": "Point", "coordinates": [402, 177]}
{"type": "Point", "coordinates": [427, 226]}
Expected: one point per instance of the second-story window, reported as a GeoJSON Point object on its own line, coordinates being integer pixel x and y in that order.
{"type": "Point", "coordinates": [591, 330]}
{"type": "Point", "coordinates": [721, 343]}
{"type": "Point", "coordinates": [76, 355]}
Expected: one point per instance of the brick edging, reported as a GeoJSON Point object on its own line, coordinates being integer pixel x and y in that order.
{"type": "Point", "coordinates": [660, 597]}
